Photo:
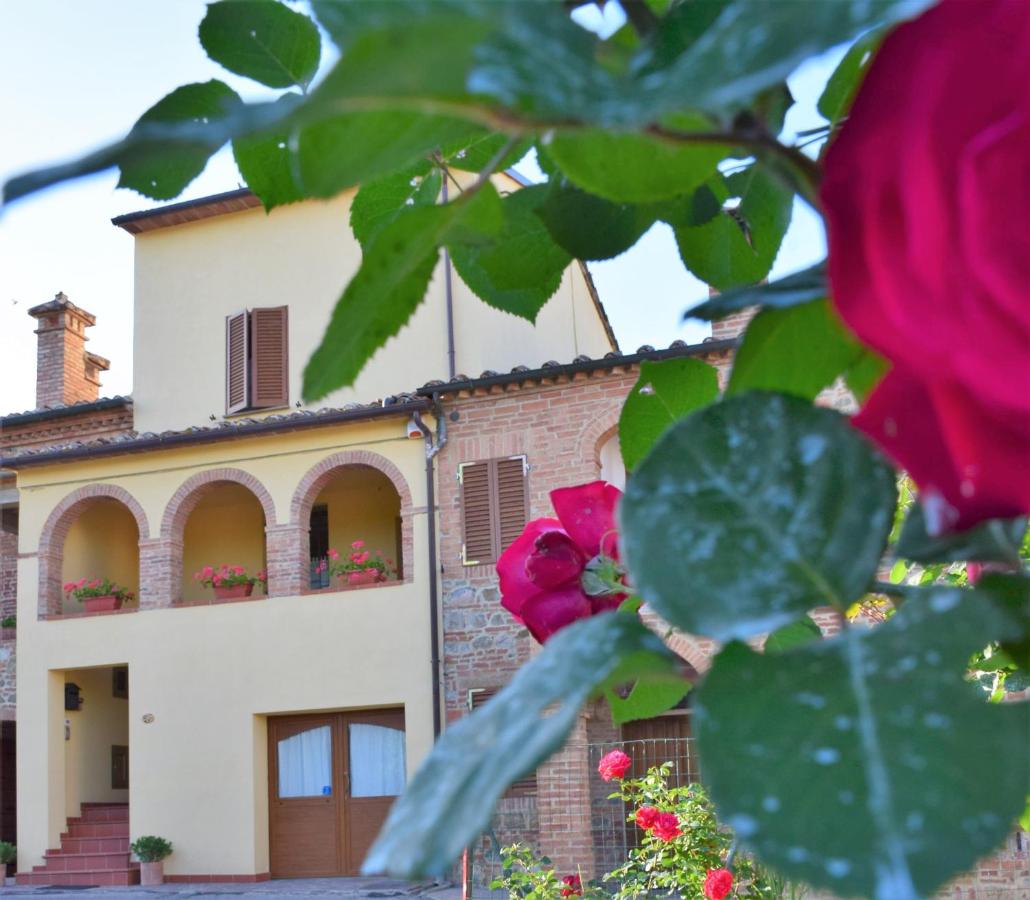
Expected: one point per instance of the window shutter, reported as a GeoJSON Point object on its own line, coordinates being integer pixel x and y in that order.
{"type": "Point", "coordinates": [269, 359]}
{"type": "Point", "coordinates": [236, 369]}
{"type": "Point", "coordinates": [512, 502]}
{"type": "Point", "coordinates": [477, 528]}
{"type": "Point", "coordinates": [495, 507]}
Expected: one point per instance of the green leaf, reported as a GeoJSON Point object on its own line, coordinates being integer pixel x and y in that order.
{"type": "Point", "coordinates": [450, 801]}
{"type": "Point", "coordinates": [665, 392]}
{"type": "Point", "coordinates": [756, 44]}
{"type": "Point", "coordinates": [1011, 593]}
{"type": "Point", "coordinates": [838, 764]}
{"type": "Point", "coordinates": [740, 246]}
{"type": "Point", "coordinates": [634, 168]}
{"type": "Point", "coordinates": [395, 270]}
{"type": "Point", "coordinates": [590, 227]}
{"type": "Point", "coordinates": [476, 155]}
{"type": "Point", "coordinates": [268, 162]}
{"type": "Point", "coordinates": [347, 150]}
{"type": "Point", "coordinates": [750, 512]}
{"type": "Point", "coordinates": [263, 40]}
{"type": "Point", "coordinates": [163, 171]}
{"type": "Point", "coordinates": [796, 634]}
{"type": "Point", "coordinates": [380, 201]}
{"type": "Point", "coordinates": [519, 270]}
{"type": "Point", "coordinates": [843, 84]}
{"type": "Point", "coordinates": [648, 698]}
{"type": "Point", "coordinates": [997, 540]}
{"type": "Point", "coordinates": [801, 287]}
{"type": "Point", "coordinates": [866, 373]}
{"type": "Point", "coordinates": [799, 350]}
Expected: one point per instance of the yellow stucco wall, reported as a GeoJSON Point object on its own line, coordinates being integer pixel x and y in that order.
{"type": "Point", "coordinates": [209, 675]}
{"type": "Point", "coordinates": [102, 543]}
{"type": "Point", "coordinates": [362, 506]}
{"type": "Point", "coordinates": [102, 722]}
{"type": "Point", "coordinates": [189, 277]}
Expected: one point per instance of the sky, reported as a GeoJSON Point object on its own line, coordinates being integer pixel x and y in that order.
{"type": "Point", "coordinates": [77, 75]}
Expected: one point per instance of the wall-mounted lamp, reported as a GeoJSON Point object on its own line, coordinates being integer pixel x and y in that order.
{"type": "Point", "coordinates": [413, 430]}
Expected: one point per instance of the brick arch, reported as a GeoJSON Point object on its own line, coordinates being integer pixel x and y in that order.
{"type": "Point", "coordinates": [597, 431]}
{"type": "Point", "coordinates": [197, 486]}
{"type": "Point", "coordinates": [55, 530]}
{"type": "Point", "coordinates": [697, 652]}
{"type": "Point", "coordinates": [321, 474]}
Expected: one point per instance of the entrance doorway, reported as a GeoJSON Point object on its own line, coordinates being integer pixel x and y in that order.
{"type": "Point", "coordinates": [331, 781]}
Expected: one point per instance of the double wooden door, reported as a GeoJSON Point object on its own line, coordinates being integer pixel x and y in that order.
{"type": "Point", "coordinates": [332, 778]}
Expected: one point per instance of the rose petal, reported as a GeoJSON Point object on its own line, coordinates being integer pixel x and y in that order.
{"type": "Point", "coordinates": [555, 561]}
{"type": "Point", "coordinates": [516, 585]}
{"type": "Point", "coordinates": [550, 611]}
{"type": "Point", "coordinates": [587, 512]}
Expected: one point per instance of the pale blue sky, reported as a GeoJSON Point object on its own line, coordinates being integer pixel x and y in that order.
{"type": "Point", "coordinates": [76, 74]}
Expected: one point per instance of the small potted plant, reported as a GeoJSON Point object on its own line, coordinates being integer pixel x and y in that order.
{"type": "Point", "coordinates": [151, 852]}
{"type": "Point", "coordinates": [229, 582]}
{"type": "Point", "coordinates": [98, 594]}
{"type": "Point", "coordinates": [8, 857]}
{"type": "Point", "coordinates": [360, 567]}
{"type": "Point", "coordinates": [7, 628]}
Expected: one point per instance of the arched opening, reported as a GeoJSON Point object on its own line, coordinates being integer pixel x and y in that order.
{"type": "Point", "coordinates": [101, 542]}
{"type": "Point", "coordinates": [225, 526]}
{"type": "Point", "coordinates": [609, 453]}
{"type": "Point", "coordinates": [354, 503]}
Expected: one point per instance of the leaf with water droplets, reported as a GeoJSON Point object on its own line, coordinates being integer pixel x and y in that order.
{"type": "Point", "coordinates": [750, 512]}
{"type": "Point", "coordinates": [857, 764]}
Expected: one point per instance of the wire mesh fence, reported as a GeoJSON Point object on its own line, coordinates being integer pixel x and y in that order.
{"type": "Point", "coordinates": [566, 813]}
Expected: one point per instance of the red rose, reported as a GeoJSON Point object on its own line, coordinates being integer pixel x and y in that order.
{"type": "Point", "coordinates": [718, 883]}
{"type": "Point", "coordinates": [541, 572]}
{"type": "Point", "coordinates": [646, 817]}
{"type": "Point", "coordinates": [925, 196]}
{"type": "Point", "coordinates": [666, 826]}
{"type": "Point", "coordinates": [573, 886]}
{"type": "Point", "coordinates": [614, 765]}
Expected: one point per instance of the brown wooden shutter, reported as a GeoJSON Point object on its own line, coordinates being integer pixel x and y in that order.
{"type": "Point", "coordinates": [477, 527]}
{"type": "Point", "coordinates": [512, 502]}
{"type": "Point", "coordinates": [237, 374]}
{"type": "Point", "coordinates": [495, 507]}
{"type": "Point", "coordinates": [269, 358]}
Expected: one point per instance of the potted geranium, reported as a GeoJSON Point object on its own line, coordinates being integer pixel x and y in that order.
{"type": "Point", "coordinates": [98, 594]}
{"type": "Point", "coordinates": [8, 857]}
{"type": "Point", "coordinates": [229, 582]}
{"type": "Point", "coordinates": [151, 852]}
{"type": "Point", "coordinates": [360, 567]}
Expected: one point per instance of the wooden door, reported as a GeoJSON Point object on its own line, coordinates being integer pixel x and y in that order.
{"type": "Point", "coordinates": [332, 780]}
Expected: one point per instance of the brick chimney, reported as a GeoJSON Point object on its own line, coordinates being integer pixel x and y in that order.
{"type": "Point", "coordinates": [66, 372]}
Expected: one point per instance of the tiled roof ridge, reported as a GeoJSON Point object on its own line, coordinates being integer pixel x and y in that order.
{"type": "Point", "coordinates": [59, 409]}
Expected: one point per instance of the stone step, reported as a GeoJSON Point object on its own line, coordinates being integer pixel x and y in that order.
{"type": "Point", "coordinates": [67, 878]}
{"type": "Point", "coordinates": [97, 829]}
{"type": "Point", "coordinates": [93, 845]}
{"type": "Point", "coordinates": [83, 862]}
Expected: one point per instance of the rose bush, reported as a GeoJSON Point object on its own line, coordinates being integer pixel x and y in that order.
{"type": "Point", "coordinates": [560, 570]}
{"type": "Point", "coordinates": [925, 194]}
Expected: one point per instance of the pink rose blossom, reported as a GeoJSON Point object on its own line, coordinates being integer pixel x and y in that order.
{"type": "Point", "coordinates": [614, 765]}
{"type": "Point", "coordinates": [666, 826]}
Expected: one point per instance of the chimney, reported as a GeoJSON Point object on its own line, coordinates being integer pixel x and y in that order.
{"type": "Point", "coordinates": [66, 372]}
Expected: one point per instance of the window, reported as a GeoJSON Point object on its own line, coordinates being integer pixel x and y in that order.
{"type": "Point", "coordinates": [305, 763]}
{"type": "Point", "coordinates": [495, 507]}
{"type": "Point", "coordinates": [256, 359]}
{"type": "Point", "coordinates": [319, 546]}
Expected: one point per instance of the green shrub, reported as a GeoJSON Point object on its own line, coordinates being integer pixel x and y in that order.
{"type": "Point", "coordinates": [8, 622]}
{"type": "Point", "coordinates": [150, 848]}
{"type": "Point", "coordinates": [8, 853]}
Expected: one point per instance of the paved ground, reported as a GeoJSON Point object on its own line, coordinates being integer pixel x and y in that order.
{"type": "Point", "coordinates": [351, 888]}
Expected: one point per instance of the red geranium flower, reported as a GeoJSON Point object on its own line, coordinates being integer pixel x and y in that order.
{"type": "Point", "coordinates": [646, 817]}
{"type": "Point", "coordinates": [928, 263]}
{"type": "Point", "coordinates": [666, 826]}
{"type": "Point", "coordinates": [718, 883]}
{"type": "Point", "coordinates": [573, 886]}
{"type": "Point", "coordinates": [541, 572]}
{"type": "Point", "coordinates": [614, 765]}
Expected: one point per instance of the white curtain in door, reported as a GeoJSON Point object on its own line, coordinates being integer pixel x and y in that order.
{"type": "Point", "coordinates": [306, 763]}
{"type": "Point", "coordinates": [376, 761]}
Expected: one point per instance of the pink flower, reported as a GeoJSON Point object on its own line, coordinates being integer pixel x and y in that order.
{"type": "Point", "coordinates": [646, 817]}
{"type": "Point", "coordinates": [614, 765]}
{"type": "Point", "coordinates": [357, 545]}
{"type": "Point", "coordinates": [95, 583]}
{"type": "Point", "coordinates": [238, 570]}
{"type": "Point", "coordinates": [81, 584]}
{"type": "Point", "coordinates": [69, 586]}
{"type": "Point", "coordinates": [573, 886]}
{"type": "Point", "coordinates": [718, 883]}
{"type": "Point", "coordinates": [666, 826]}
{"type": "Point", "coordinates": [928, 263]}
{"type": "Point", "coordinates": [262, 576]}
{"type": "Point", "coordinates": [360, 558]}
{"type": "Point", "coordinates": [541, 572]}
{"type": "Point", "coordinates": [216, 580]}
{"type": "Point", "coordinates": [333, 554]}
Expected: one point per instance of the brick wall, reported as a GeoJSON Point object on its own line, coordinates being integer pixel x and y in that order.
{"type": "Point", "coordinates": [65, 371]}
{"type": "Point", "coordinates": [67, 427]}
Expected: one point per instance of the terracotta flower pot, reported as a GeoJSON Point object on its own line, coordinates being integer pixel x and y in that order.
{"type": "Point", "coordinates": [152, 872]}
{"type": "Point", "coordinates": [234, 592]}
{"type": "Point", "coordinates": [102, 604]}
{"type": "Point", "coordinates": [363, 576]}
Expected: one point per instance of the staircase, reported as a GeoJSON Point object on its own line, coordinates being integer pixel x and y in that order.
{"type": "Point", "coordinates": [94, 851]}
